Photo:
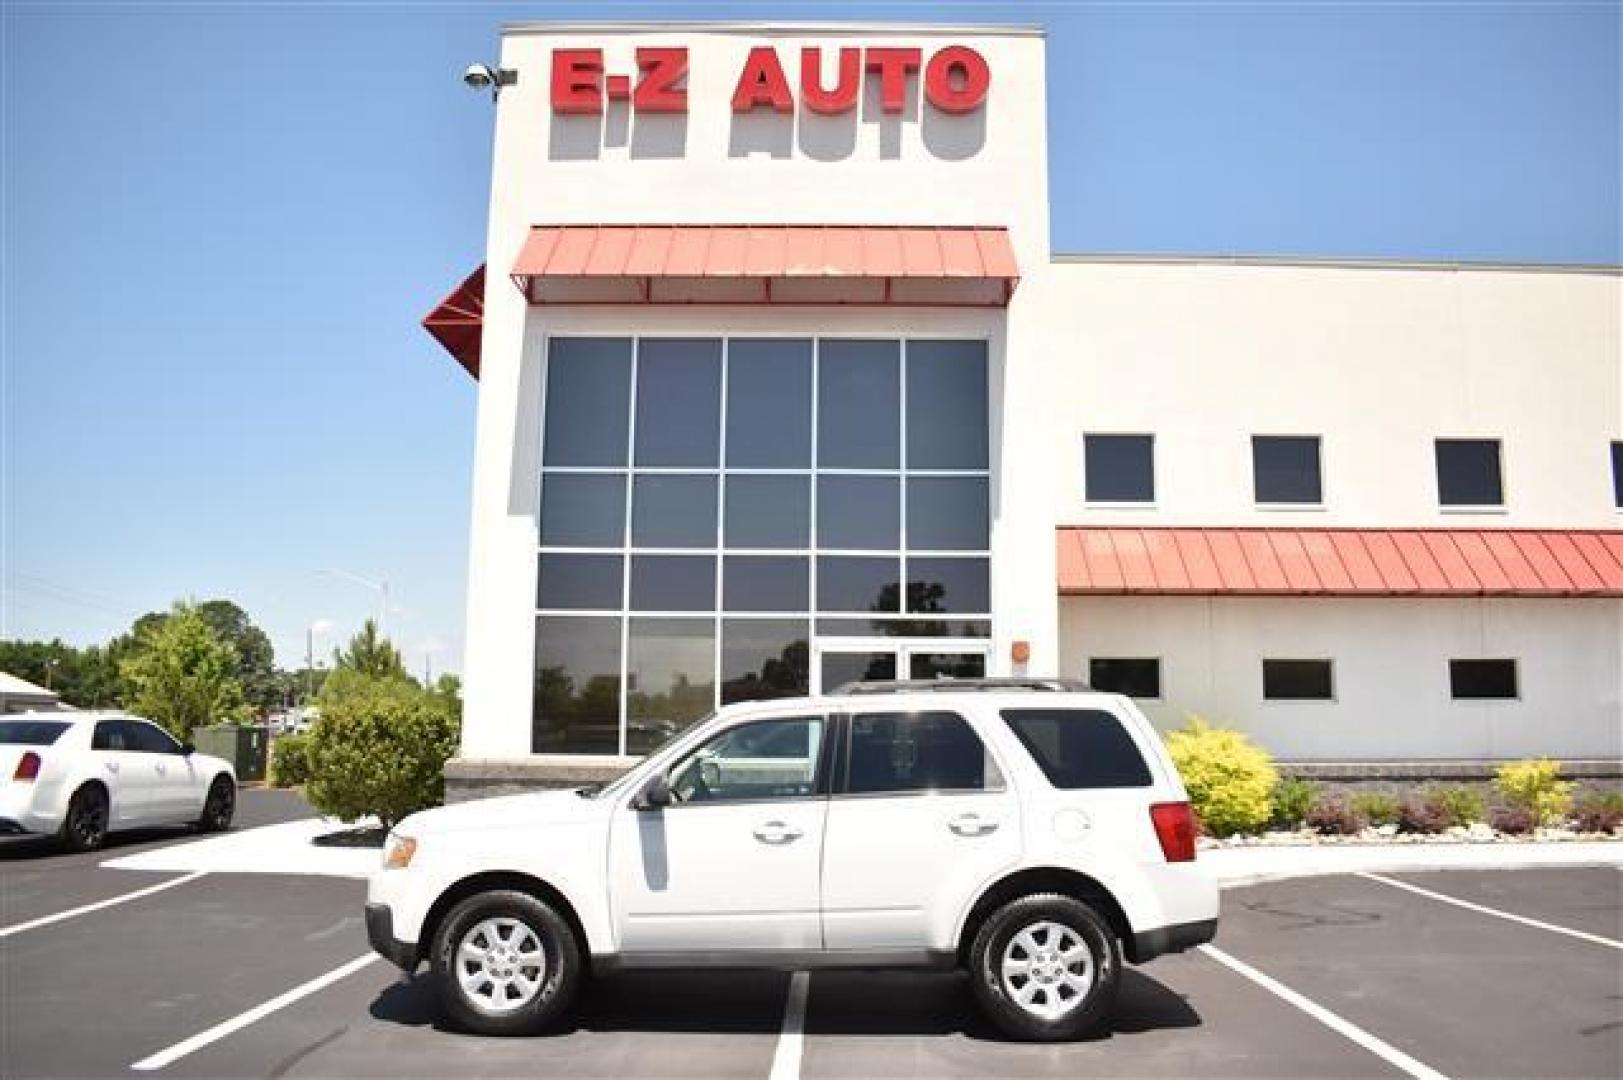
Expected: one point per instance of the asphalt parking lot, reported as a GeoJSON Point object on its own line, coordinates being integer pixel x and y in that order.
{"type": "Point", "coordinates": [1339, 976]}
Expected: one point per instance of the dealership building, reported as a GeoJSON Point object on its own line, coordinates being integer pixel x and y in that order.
{"type": "Point", "coordinates": [780, 385]}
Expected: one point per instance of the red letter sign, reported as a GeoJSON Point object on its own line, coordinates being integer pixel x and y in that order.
{"type": "Point", "coordinates": [762, 83]}
{"type": "Point", "coordinates": [956, 79]}
{"type": "Point", "coordinates": [893, 66]}
{"type": "Point", "coordinates": [657, 91]}
{"type": "Point", "coordinates": [843, 98]}
{"type": "Point", "coordinates": [575, 80]}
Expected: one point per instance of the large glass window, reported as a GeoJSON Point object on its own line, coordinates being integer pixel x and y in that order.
{"type": "Point", "coordinates": [705, 502]}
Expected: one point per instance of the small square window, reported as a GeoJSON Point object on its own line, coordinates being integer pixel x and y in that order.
{"type": "Point", "coordinates": [1480, 680]}
{"type": "Point", "coordinates": [1617, 475]}
{"type": "Point", "coordinates": [1468, 473]}
{"type": "Point", "coordinates": [1285, 469]}
{"type": "Point", "coordinates": [1137, 677]}
{"type": "Point", "coordinates": [1119, 468]}
{"type": "Point", "coordinates": [1297, 680]}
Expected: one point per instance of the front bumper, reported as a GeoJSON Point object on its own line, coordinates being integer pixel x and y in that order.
{"type": "Point", "coordinates": [380, 935]}
{"type": "Point", "coordinates": [1170, 939]}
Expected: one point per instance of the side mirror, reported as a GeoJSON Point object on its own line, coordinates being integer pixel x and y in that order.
{"type": "Point", "coordinates": [655, 795]}
{"type": "Point", "coordinates": [187, 749]}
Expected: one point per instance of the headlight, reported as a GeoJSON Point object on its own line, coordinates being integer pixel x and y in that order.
{"type": "Point", "coordinates": [398, 851]}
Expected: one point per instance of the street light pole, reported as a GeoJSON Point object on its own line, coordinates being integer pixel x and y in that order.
{"type": "Point", "coordinates": [382, 588]}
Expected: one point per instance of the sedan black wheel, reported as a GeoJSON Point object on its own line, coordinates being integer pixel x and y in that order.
{"type": "Point", "coordinates": [220, 805]}
{"type": "Point", "coordinates": [85, 827]}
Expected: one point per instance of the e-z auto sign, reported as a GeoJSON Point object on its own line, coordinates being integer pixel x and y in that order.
{"type": "Point", "coordinates": [956, 80]}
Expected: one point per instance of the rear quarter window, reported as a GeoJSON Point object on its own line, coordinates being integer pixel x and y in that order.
{"type": "Point", "coordinates": [1079, 748]}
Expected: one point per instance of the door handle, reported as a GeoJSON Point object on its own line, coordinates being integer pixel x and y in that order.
{"type": "Point", "coordinates": [112, 766]}
{"type": "Point", "coordinates": [162, 768]}
{"type": "Point", "coordinates": [776, 832]}
{"type": "Point", "coordinates": [971, 825]}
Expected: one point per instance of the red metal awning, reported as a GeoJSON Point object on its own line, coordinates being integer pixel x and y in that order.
{"type": "Point", "coordinates": [767, 264]}
{"type": "Point", "coordinates": [1340, 562]}
{"type": "Point", "coordinates": [457, 321]}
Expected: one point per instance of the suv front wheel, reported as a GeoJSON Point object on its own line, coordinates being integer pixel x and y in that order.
{"type": "Point", "coordinates": [506, 964]}
{"type": "Point", "coordinates": [1045, 967]}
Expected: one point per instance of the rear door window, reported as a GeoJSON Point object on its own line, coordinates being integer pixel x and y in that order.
{"type": "Point", "coordinates": [1079, 748]}
{"type": "Point", "coordinates": [925, 751]}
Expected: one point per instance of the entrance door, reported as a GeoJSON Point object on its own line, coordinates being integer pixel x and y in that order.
{"type": "Point", "coordinates": [836, 661]}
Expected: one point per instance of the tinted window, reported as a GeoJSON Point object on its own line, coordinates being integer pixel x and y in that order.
{"type": "Point", "coordinates": [766, 583]}
{"type": "Point", "coordinates": [764, 658]}
{"type": "Point", "coordinates": [673, 582]}
{"type": "Point", "coordinates": [946, 665]}
{"type": "Point", "coordinates": [858, 584]}
{"type": "Point", "coordinates": [769, 410]}
{"type": "Point", "coordinates": [859, 512]}
{"type": "Point", "coordinates": [151, 739]}
{"type": "Point", "coordinates": [583, 510]}
{"type": "Point", "coordinates": [1481, 679]}
{"type": "Point", "coordinates": [1119, 468]}
{"type": "Point", "coordinates": [948, 585]}
{"type": "Point", "coordinates": [947, 513]}
{"type": "Point", "coordinates": [110, 735]}
{"type": "Point", "coordinates": [674, 511]}
{"type": "Point", "coordinates": [32, 732]}
{"type": "Point", "coordinates": [1617, 474]}
{"type": "Point", "coordinates": [768, 759]}
{"type": "Point", "coordinates": [840, 668]}
{"type": "Point", "coordinates": [588, 401]}
{"type": "Point", "coordinates": [859, 420]}
{"type": "Point", "coordinates": [577, 686]}
{"type": "Point", "coordinates": [946, 405]}
{"type": "Point", "coordinates": [1079, 748]}
{"type": "Point", "coordinates": [670, 678]}
{"type": "Point", "coordinates": [580, 582]}
{"type": "Point", "coordinates": [1468, 472]}
{"type": "Point", "coordinates": [933, 751]}
{"type": "Point", "coordinates": [1138, 677]}
{"type": "Point", "coordinates": [678, 402]}
{"type": "Point", "coordinates": [1297, 680]}
{"type": "Point", "coordinates": [768, 511]}
{"type": "Point", "coordinates": [1285, 469]}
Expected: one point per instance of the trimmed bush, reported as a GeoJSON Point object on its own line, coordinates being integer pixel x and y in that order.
{"type": "Point", "coordinates": [290, 760]}
{"type": "Point", "coordinates": [1536, 786]}
{"type": "Point", "coordinates": [379, 748]}
{"type": "Point", "coordinates": [1230, 780]}
{"type": "Point", "coordinates": [1461, 806]}
{"type": "Point", "coordinates": [1335, 816]}
{"type": "Point", "coordinates": [1417, 814]}
{"type": "Point", "coordinates": [1292, 799]}
{"type": "Point", "coordinates": [1513, 820]}
{"type": "Point", "coordinates": [1599, 811]}
{"type": "Point", "coordinates": [1376, 807]}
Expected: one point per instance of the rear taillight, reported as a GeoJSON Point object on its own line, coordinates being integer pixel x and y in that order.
{"type": "Point", "coordinates": [27, 767]}
{"type": "Point", "coordinates": [1175, 828]}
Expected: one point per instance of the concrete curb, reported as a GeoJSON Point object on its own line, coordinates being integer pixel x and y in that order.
{"type": "Point", "coordinates": [1233, 868]}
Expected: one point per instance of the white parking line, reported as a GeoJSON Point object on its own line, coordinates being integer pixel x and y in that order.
{"type": "Point", "coordinates": [47, 920]}
{"type": "Point", "coordinates": [1594, 939]}
{"type": "Point", "coordinates": [258, 1012]}
{"type": "Point", "coordinates": [786, 1060]}
{"type": "Point", "coordinates": [1346, 1028]}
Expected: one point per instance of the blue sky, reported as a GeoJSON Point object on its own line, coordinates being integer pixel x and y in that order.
{"type": "Point", "coordinates": [222, 224]}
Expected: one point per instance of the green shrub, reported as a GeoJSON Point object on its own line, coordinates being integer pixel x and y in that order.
{"type": "Point", "coordinates": [1335, 816]}
{"type": "Point", "coordinates": [1376, 807]}
{"type": "Point", "coordinates": [1460, 805]}
{"type": "Point", "coordinates": [290, 760]}
{"type": "Point", "coordinates": [379, 747]}
{"type": "Point", "coordinates": [1536, 786]}
{"type": "Point", "coordinates": [1292, 799]}
{"type": "Point", "coordinates": [1599, 811]}
{"type": "Point", "coordinates": [1230, 780]}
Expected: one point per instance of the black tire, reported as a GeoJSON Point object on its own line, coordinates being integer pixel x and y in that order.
{"type": "Point", "coordinates": [219, 806]}
{"type": "Point", "coordinates": [1078, 1011]}
{"type": "Point", "coordinates": [559, 979]}
{"type": "Point", "coordinates": [85, 826]}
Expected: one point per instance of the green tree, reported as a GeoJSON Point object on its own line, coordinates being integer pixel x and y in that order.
{"type": "Point", "coordinates": [86, 678]}
{"type": "Point", "coordinates": [255, 664]}
{"type": "Point", "coordinates": [371, 654]}
{"type": "Point", "coordinates": [182, 675]}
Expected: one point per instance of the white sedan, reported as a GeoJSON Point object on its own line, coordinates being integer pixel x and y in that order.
{"type": "Point", "coordinates": [80, 775]}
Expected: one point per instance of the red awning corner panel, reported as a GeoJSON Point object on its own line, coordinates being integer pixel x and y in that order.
{"type": "Point", "coordinates": [1340, 562]}
{"type": "Point", "coordinates": [928, 265]}
{"type": "Point", "coordinates": [457, 321]}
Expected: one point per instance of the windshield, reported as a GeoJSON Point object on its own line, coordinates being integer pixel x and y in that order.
{"type": "Point", "coordinates": [624, 779]}
{"type": "Point", "coordinates": [31, 732]}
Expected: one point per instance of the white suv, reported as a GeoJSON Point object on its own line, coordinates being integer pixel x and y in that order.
{"type": "Point", "coordinates": [1027, 831]}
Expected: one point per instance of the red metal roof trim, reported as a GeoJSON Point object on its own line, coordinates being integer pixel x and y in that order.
{"type": "Point", "coordinates": [457, 321]}
{"type": "Point", "coordinates": [767, 264]}
{"type": "Point", "coordinates": [1340, 562]}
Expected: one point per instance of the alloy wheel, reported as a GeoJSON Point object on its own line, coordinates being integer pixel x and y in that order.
{"type": "Point", "coordinates": [1047, 969]}
{"type": "Point", "coordinates": [501, 965]}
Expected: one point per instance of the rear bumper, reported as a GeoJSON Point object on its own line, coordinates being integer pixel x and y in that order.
{"type": "Point", "coordinates": [380, 935]}
{"type": "Point", "coordinates": [1170, 939]}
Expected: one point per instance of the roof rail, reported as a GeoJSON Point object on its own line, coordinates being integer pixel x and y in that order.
{"type": "Point", "coordinates": [918, 686]}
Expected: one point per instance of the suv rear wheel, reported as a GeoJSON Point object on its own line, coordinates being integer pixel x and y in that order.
{"type": "Point", "coordinates": [505, 963]}
{"type": "Point", "coordinates": [1045, 967]}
